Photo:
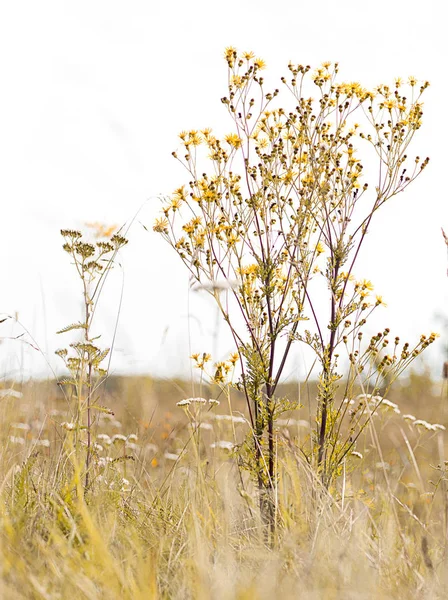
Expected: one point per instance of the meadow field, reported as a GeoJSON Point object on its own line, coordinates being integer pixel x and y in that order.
{"type": "Point", "coordinates": [239, 483]}
{"type": "Point", "coordinates": [170, 513]}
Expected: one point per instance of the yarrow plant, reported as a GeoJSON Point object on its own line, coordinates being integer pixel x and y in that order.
{"type": "Point", "coordinates": [83, 359]}
{"type": "Point", "coordinates": [277, 222]}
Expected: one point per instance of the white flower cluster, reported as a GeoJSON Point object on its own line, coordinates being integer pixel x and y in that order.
{"type": "Point", "coordinates": [223, 444]}
{"type": "Point", "coordinates": [428, 426]}
{"type": "Point", "coordinates": [230, 418]}
{"type": "Point", "coordinates": [188, 401]}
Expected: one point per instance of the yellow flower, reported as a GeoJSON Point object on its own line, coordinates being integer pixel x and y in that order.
{"type": "Point", "coordinates": [320, 248]}
{"type": "Point", "coordinates": [233, 140]}
{"type": "Point", "coordinates": [248, 55]}
{"type": "Point", "coordinates": [259, 63]}
{"type": "Point", "coordinates": [180, 193]}
{"type": "Point", "coordinates": [379, 301]}
{"type": "Point", "coordinates": [161, 225]}
{"type": "Point", "coordinates": [366, 285]}
{"type": "Point", "coordinates": [234, 358]}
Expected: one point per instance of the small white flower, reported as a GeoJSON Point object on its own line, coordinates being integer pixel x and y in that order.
{"type": "Point", "coordinates": [223, 444]}
{"type": "Point", "coordinates": [348, 401]}
{"type": "Point", "coordinates": [68, 426]}
{"type": "Point", "coordinates": [104, 460]}
{"type": "Point", "coordinates": [23, 426]}
{"type": "Point", "coordinates": [98, 447]}
{"type": "Point", "coordinates": [171, 456]}
{"type": "Point", "coordinates": [422, 423]}
{"type": "Point", "coordinates": [103, 437]}
{"type": "Point", "coordinates": [16, 440]}
{"type": "Point", "coordinates": [125, 485]}
{"type": "Point", "coordinates": [214, 402]}
{"type": "Point", "coordinates": [206, 426]}
{"type": "Point", "coordinates": [151, 448]}
{"type": "Point", "coordinates": [118, 437]}
{"type": "Point", "coordinates": [357, 454]}
{"type": "Point", "coordinates": [132, 446]}
{"type": "Point", "coordinates": [198, 400]}
{"type": "Point", "coordinates": [132, 438]}
{"type": "Point", "coordinates": [185, 402]}
{"type": "Point", "coordinates": [44, 443]}
{"type": "Point", "coordinates": [438, 426]}
{"type": "Point", "coordinates": [409, 417]}
{"type": "Point", "coordinates": [230, 418]}
{"type": "Point", "coordinates": [389, 404]}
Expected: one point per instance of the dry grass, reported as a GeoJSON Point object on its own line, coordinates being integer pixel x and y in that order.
{"type": "Point", "coordinates": [159, 527]}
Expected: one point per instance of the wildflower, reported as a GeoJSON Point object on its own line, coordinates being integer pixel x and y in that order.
{"type": "Point", "coordinates": [214, 402]}
{"type": "Point", "coordinates": [23, 426]}
{"type": "Point", "coordinates": [132, 438]}
{"type": "Point", "coordinates": [161, 225]}
{"type": "Point", "coordinates": [424, 424]}
{"type": "Point", "coordinates": [171, 456]}
{"type": "Point", "coordinates": [230, 418]}
{"type": "Point", "coordinates": [103, 461]}
{"type": "Point", "coordinates": [357, 454]}
{"type": "Point", "coordinates": [438, 426]}
{"type": "Point", "coordinates": [365, 284]}
{"type": "Point", "coordinates": [206, 426]}
{"type": "Point", "coordinates": [234, 358]}
{"type": "Point", "coordinates": [198, 400]}
{"type": "Point", "coordinates": [118, 437]}
{"type": "Point", "coordinates": [223, 444]}
{"type": "Point", "coordinates": [98, 447]}
{"type": "Point", "coordinates": [104, 438]}
{"type": "Point", "coordinates": [183, 403]}
{"type": "Point", "coordinates": [68, 426]}
{"type": "Point", "coordinates": [409, 417]}
{"type": "Point", "coordinates": [388, 404]}
{"type": "Point", "coordinates": [151, 448]}
{"type": "Point", "coordinates": [259, 63]}
{"type": "Point", "coordinates": [131, 446]}
{"type": "Point", "coordinates": [233, 140]}
{"type": "Point", "coordinates": [16, 440]}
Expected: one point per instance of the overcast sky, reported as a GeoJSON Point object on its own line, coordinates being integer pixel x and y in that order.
{"type": "Point", "coordinates": [93, 97]}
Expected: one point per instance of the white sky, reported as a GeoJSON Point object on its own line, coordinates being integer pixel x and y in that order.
{"type": "Point", "coordinates": [93, 97]}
